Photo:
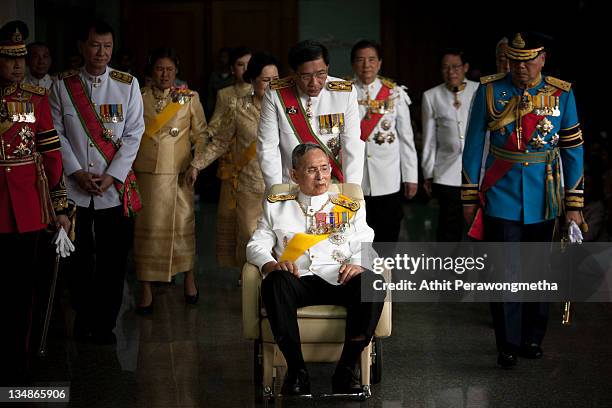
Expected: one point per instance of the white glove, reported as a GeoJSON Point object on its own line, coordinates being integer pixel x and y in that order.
{"type": "Point", "coordinates": [63, 245]}
{"type": "Point", "coordinates": [574, 233]}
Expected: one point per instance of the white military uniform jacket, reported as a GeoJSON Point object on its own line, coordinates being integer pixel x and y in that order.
{"type": "Point", "coordinates": [45, 81]}
{"type": "Point", "coordinates": [276, 138]}
{"type": "Point", "coordinates": [78, 152]}
{"type": "Point", "coordinates": [390, 155]}
{"type": "Point", "coordinates": [281, 220]}
{"type": "Point", "coordinates": [444, 128]}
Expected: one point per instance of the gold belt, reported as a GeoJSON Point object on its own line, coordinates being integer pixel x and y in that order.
{"type": "Point", "coordinates": [521, 157]}
{"type": "Point", "coordinates": [552, 177]}
{"type": "Point", "coordinates": [17, 162]}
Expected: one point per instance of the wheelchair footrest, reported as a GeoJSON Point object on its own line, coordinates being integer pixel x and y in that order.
{"type": "Point", "coordinates": [359, 396]}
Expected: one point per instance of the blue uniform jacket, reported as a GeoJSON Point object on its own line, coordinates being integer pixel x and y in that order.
{"type": "Point", "coordinates": [549, 129]}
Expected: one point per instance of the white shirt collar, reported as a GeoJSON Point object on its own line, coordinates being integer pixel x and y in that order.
{"type": "Point", "coordinates": [363, 86]}
{"type": "Point", "coordinates": [313, 201]}
{"type": "Point", "coordinates": [92, 78]}
{"type": "Point", "coordinates": [30, 78]}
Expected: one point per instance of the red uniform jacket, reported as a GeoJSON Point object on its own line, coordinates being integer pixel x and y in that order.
{"type": "Point", "coordinates": [26, 130]}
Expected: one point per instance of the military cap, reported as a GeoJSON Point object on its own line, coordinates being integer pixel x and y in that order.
{"type": "Point", "coordinates": [524, 46]}
{"type": "Point", "coordinates": [12, 39]}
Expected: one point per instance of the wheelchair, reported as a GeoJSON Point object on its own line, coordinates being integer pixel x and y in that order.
{"type": "Point", "coordinates": [322, 327]}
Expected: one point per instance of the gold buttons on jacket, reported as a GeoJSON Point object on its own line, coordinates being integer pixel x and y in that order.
{"type": "Point", "coordinates": [8, 169]}
{"type": "Point", "coordinates": [91, 164]}
{"type": "Point", "coordinates": [174, 132]}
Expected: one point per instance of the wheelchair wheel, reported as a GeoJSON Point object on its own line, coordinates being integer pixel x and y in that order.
{"type": "Point", "coordinates": [376, 368]}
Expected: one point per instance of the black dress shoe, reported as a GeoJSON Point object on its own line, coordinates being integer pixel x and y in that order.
{"type": "Point", "coordinates": [532, 351]}
{"type": "Point", "coordinates": [296, 383]}
{"type": "Point", "coordinates": [145, 310]}
{"type": "Point", "coordinates": [192, 299]}
{"type": "Point", "coordinates": [346, 379]}
{"type": "Point", "coordinates": [506, 359]}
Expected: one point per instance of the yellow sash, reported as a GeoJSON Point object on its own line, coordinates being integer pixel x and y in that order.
{"type": "Point", "coordinates": [158, 121]}
{"type": "Point", "coordinates": [301, 242]}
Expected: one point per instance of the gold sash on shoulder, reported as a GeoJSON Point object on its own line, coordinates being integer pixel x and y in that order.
{"type": "Point", "coordinates": [154, 124]}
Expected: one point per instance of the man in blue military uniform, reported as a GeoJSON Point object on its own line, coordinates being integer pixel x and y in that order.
{"type": "Point", "coordinates": [533, 127]}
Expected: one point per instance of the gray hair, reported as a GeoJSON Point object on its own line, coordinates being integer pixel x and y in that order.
{"type": "Point", "coordinates": [300, 150]}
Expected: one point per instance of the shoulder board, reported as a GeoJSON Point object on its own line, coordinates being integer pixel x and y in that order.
{"type": "Point", "coordinates": [491, 78]}
{"type": "Point", "coordinates": [566, 86]}
{"type": "Point", "coordinates": [343, 86]}
{"type": "Point", "coordinates": [38, 90]}
{"type": "Point", "coordinates": [344, 201]}
{"type": "Point", "coordinates": [281, 83]}
{"type": "Point", "coordinates": [389, 83]}
{"type": "Point", "coordinates": [121, 77]}
{"type": "Point", "coordinates": [68, 73]}
{"type": "Point", "coordinates": [275, 198]}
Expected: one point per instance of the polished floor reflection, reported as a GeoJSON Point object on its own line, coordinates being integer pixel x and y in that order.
{"type": "Point", "coordinates": [440, 355]}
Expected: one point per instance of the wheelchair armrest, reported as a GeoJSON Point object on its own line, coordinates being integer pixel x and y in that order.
{"type": "Point", "coordinates": [383, 329]}
{"type": "Point", "coordinates": [251, 287]}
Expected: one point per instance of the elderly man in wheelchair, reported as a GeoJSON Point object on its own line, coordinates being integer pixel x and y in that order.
{"type": "Point", "coordinates": [308, 248]}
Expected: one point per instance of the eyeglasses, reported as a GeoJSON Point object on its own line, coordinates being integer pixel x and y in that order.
{"type": "Point", "coordinates": [451, 67]}
{"type": "Point", "coordinates": [311, 171]}
{"type": "Point", "coordinates": [314, 75]}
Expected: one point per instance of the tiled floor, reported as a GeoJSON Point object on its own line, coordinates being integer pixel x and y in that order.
{"type": "Point", "coordinates": [440, 355]}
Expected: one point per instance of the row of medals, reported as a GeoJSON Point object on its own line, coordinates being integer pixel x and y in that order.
{"type": "Point", "coordinates": [332, 124]}
{"type": "Point", "coordinates": [337, 231]}
{"type": "Point", "coordinates": [375, 106]}
{"type": "Point", "coordinates": [17, 111]}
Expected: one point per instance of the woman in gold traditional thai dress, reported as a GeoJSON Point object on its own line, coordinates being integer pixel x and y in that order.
{"type": "Point", "coordinates": [164, 236]}
{"type": "Point", "coordinates": [226, 213]}
{"type": "Point", "coordinates": [236, 132]}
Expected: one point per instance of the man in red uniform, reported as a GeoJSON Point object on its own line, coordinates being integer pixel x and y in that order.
{"type": "Point", "coordinates": [32, 196]}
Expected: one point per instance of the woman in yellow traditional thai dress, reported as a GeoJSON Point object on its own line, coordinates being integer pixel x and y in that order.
{"type": "Point", "coordinates": [226, 213]}
{"type": "Point", "coordinates": [236, 132]}
{"type": "Point", "coordinates": [164, 236]}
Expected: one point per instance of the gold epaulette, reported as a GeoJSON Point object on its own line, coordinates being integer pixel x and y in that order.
{"type": "Point", "coordinates": [491, 78]}
{"type": "Point", "coordinates": [389, 83]}
{"type": "Point", "coordinates": [275, 198]}
{"type": "Point", "coordinates": [122, 77]}
{"type": "Point", "coordinates": [566, 86]}
{"type": "Point", "coordinates": [69, 73]}
{"type": "Point", "coordinates": [342, 86]}
{"type": "Point", "coordinates": [281, 83]}
{"type": "Point", "coordinates": [344, 201]}
{"type": "Point", "coordinates": [38, 90]}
